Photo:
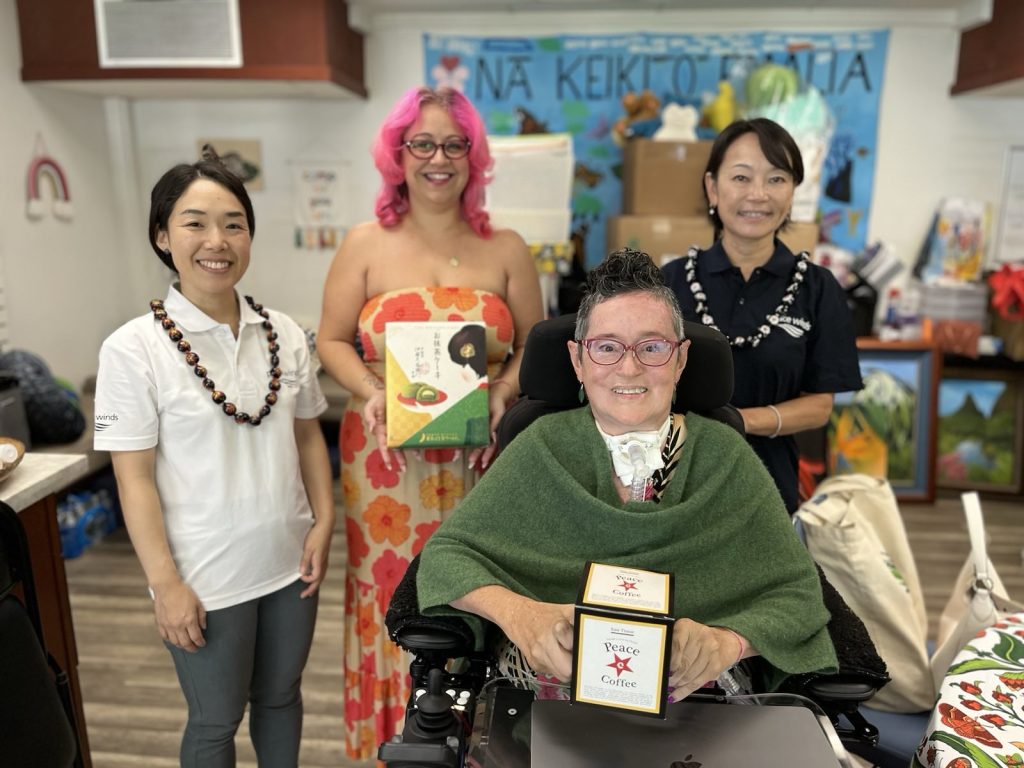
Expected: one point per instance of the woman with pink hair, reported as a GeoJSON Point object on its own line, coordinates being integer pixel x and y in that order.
{"type": "Point", "coordinates": [430, 255]}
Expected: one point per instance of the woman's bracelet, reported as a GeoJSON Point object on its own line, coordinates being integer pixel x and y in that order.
{"type": "Point", "coordinates": [778, 421]}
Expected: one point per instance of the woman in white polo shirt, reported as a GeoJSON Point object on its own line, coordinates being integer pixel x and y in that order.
{"type": "Point", "coordinates": [209, 407]}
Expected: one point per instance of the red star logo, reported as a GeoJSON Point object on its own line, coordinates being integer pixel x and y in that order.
{"type": "Point", "coordinates": [627, 585]}
{"type": "Point", "coordinates": [620, 665]}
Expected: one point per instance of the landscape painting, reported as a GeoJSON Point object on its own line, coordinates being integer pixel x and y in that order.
{"type": "Point", "coordinates": [980, 430]}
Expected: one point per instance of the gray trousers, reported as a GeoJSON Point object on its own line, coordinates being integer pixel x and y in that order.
{"type": "Point", "coordinates": [255, 653]}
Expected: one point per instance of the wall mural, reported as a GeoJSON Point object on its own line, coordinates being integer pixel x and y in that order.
{"type": "Point", "coordinates": [582, 84]}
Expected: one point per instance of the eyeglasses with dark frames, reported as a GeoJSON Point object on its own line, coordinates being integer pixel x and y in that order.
{"type": "Point", "coordinates": [650, 352]}
{"type": "Point", "coordinates": [424, 148]}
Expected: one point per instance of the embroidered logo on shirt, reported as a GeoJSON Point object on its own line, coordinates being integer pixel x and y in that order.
{"type": "Point", "coordinates": [794, 326]}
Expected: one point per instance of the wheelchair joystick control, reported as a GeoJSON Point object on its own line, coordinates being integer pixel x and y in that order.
{"type": "Point", "coordinates": [433, 718]}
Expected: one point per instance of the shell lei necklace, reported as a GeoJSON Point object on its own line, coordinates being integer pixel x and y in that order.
{"type": "Point", "coordinates": [771, 320]}
{"type": "Point", "coordinates": [192, 360]}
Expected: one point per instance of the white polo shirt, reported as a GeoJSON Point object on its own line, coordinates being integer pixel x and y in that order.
{"type": "Point", "coordinates": [234, 505]}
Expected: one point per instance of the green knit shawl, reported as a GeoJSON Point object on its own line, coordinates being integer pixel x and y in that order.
{"type": "Point", "coordinates": [549, 504]}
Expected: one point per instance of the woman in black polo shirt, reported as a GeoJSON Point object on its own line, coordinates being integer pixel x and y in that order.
{"type": "Point", "coordinates": [787, 320]}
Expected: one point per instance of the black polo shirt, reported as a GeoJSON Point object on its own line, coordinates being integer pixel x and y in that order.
{"type": "Point", "coordinates": [812, 348]}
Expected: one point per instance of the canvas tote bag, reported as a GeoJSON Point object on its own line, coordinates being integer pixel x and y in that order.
{"type": "Point", "coordinates": [853, 530]}
{"type": "Point", "coordinates": [979, 598]}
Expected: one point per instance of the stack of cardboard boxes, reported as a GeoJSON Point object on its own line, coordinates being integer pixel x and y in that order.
{"type": "Point", "coordinates": [663, 206]}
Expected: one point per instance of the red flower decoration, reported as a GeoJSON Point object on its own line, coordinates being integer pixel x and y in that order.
{"type": "Point", "coordinates": [388, 570]}
{"type": "Point", "coordinates": [1013, 680]}
{"type": "Point", "coordinates": [404, 308]}
{"type": "Point", "coordinates": [968, 688]}
{"type": "Point", "coordinates": [423, 532]}
{"type": "Point", "coordinates": [357, 546]}
{"type": "Point", "coordinates": [496, 314]}
{"type": "Point", "coordinates": [997, 720]}
{"type": "Point", "coordinates": [378, 474]}
{"type": "Point", "coordinates": [353, 437]}
{"type": "Point", "coordinates": [370, 353]}
{"type": "Point", "coordinates": [439, 455]}
{"type": "Point", "coordinates": [1002, 698]}
{"type": "Point", "coordinates": [967, 726]}
{"type": "Point", "coordinates": [972, 704]}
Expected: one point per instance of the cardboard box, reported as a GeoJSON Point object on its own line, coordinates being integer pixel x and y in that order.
{"type": "Point", "coordinates": [668, 237]}
{"type": "Point", "coordinates": [664, 178]}
{"type": "Point", "coordinates": [663, 238]}
{"type": "Point", "coordinates": [435, 380]}
{"type": "Point", "coordinates": [623, 639]}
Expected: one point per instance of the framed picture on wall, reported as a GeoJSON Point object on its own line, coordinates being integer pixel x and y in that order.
{"type": "Point", "coordinates": [887, 429]}
{"type": "Point", "coordinates": [980, 430]}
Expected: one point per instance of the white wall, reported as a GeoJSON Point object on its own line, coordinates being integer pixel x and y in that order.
{"type": "Point", "coordinates": [63, 278]}
{"type": "Point", "coordinates": [930, 145]}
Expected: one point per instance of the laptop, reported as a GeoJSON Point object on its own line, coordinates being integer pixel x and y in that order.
{"type": "Point", "coordinates": [694, 735]}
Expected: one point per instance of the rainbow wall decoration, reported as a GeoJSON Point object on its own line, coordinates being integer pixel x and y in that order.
{"type": "Point", "coordinates": [45, 171]}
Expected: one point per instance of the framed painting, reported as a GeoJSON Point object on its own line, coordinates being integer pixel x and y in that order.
{"type": "Point", "coordinates": [887, 429]}
{"type": "Point", "coordinates": [981, 430]}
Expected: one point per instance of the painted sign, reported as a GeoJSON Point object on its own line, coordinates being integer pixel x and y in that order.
{"type": "Point", "coordinates": [577, 84]}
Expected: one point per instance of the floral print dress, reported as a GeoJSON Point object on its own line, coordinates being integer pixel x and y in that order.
{"type": "Point", "coordinates": [389, 515]}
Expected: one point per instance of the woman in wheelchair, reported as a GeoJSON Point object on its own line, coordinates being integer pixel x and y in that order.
{"type": "Point", "coordinates": [628, 482]}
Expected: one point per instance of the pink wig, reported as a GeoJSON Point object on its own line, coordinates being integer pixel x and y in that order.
{"type": "Point", "coordinates": [393, 198]}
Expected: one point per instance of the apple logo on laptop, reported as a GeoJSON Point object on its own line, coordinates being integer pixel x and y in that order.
{"type": "Point", "coordinates": [686, 763]}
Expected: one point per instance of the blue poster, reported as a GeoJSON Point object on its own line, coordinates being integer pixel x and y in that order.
{"type": "Point", "coordinates": [576, 84]}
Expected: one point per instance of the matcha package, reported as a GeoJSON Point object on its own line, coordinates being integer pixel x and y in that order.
{"type": "Point", "coordinates": [436, 384]}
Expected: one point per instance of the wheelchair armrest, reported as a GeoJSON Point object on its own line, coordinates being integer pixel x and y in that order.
{"type": "Point", "coordinates": [418, 633]}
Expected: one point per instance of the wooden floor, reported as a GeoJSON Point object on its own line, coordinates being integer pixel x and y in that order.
{"type": "Point", "coordinates": [135, 711]}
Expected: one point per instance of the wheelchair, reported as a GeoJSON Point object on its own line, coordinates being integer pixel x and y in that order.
{"type": "Point", "coordinates": [456, 688]}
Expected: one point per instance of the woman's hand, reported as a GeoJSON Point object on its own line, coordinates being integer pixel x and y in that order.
{"type": "Point", "coordinates": [498, 400]}
{"type": "Point", "coordinates": [375, 415]}
{"type": "Point", "coordinates": [543, 632]}
{"type": "Point", "coordinates": [315, 552]}
{"type": "Point", "coordinates": [180, 616]}
{"type": "Point", "coordinates": [699, 654]}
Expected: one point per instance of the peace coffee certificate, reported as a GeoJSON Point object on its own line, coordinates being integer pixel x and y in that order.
{"type": "Point", "coordinates": [629, 589]}
{"type": "Point", "coordinates": [621, 663]}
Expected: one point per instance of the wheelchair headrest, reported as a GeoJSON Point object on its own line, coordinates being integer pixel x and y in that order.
{"type": "Point", "coordinates": [546, 372]}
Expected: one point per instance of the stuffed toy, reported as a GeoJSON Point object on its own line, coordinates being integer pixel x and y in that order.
{"type": "Point", "coordinates": [641, 110]}
{"type": "Point", "coordinates": [678, 123]}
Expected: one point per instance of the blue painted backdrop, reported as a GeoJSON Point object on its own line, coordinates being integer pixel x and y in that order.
{"type": "Point", "coordinates": [576, 84]}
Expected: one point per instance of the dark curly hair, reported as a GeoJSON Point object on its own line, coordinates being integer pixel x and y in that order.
{"type": "Point", "coordinates": [625, 271]}
{"type": "Point", "coordinates": [172, 185]}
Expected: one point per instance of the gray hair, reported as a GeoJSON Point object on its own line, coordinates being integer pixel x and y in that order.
{"type": "Point", "coordinates": [625, 271]}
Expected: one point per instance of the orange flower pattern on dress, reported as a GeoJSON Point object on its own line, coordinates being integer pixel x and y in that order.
{"type": "Point", "coordinates": [439, 455]}
{"type": "Point", "coordinates": [368, 626]}
{"type": "Point", "coordinates": [441, 491]}
{"type": "Point", "coordinates": [350, 491]}
{"type": "Point", "coordinates": [404, 308]}
{"type": "Point", "coordinates": [497, 314]}
{"type": "Point", "coordinates": [353, 436]}
{"type": "Point", "coordinates": [460, 298]}
{"type": "Point", "coordinates": [383, 540]}
{"type": "Point", "coordinates": [388, 570]}
{"type": "Point", "coordinates": [423, 532]}
{"type": "Point", "coordinates": [357, 546]}
{"type": "Point", "coordinates": [388, 519]}
{"type": "Point", "coordinates": [377, 471]}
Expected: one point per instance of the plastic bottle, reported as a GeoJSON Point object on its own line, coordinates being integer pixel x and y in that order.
{"type": "Point", "coordinates": [890, 330]}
